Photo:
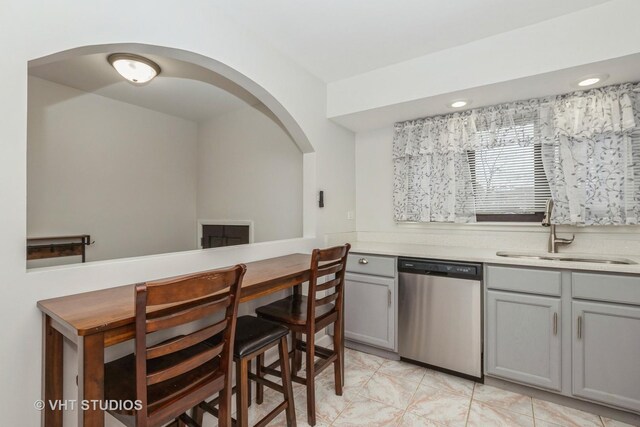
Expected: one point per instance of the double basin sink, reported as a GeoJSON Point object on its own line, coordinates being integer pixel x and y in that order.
{"type": "Point", "coordinates": [566, 257]}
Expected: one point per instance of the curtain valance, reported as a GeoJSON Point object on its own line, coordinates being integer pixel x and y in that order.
{"type": "Point", "coordinates": [577, 115]}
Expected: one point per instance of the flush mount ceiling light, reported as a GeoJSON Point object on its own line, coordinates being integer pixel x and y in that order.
{"type": "Point", "coordinates": [459, 103]}
{"type": "Point", "coordinates": [592, 79]}
{"type": "Point", "coordinates": [135, 68]}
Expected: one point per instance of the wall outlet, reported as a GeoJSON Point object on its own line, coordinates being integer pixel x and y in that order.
{"type": "Point", "coordinates": [350, 215]}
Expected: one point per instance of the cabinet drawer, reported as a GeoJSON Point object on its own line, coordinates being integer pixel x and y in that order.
{"type": "Point", "coordinates": [544, 282]}
{"type": "Point", "coordinates": [371, 264]}
{"type": "Point", "coordinates": [606, 287]}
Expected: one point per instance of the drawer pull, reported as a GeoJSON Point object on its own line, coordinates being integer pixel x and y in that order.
{"type": "Point", "coordinates": [363, 261]}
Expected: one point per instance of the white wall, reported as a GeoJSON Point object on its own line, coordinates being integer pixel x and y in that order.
{"type": "Point", "coordinates": [374, 180]}
{"type": "Point", "coordinates": [32, 29]}
{"type": "Point", "coordinates": [250, 169]}
{"type": "Point", "coordinates": [598, 33]}
{"type": "Point", "coordinates": [124, 174]}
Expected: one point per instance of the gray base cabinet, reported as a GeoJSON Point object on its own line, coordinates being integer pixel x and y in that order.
{"type": "Point", "coordinates": [523, 338]}
{"type": "Point", "coordinates": [599, 359]}
{"type": "Point", "coordinates": [606, 353]}
{"type": "Point", "coordinates": [369, 310]}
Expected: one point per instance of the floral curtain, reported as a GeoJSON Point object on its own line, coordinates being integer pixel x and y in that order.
{"type": "Point", "coordinates": [588, 156]}
{"type": "Point", "coordinates": [587, 148]}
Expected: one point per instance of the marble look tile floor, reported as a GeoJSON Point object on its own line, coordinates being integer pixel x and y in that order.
{"type": "Point", "coordinates": [380, 392]}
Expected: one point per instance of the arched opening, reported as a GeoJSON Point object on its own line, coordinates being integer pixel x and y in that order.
{"type": "Point", "coordinates": [199, 157]}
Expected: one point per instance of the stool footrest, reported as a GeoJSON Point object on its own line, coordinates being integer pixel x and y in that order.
{"type": "Point", "coordinates": [271, 370]}
{"type": "Point", "coordinates": [208, 407]}
{"type": "Point", "coordinates": [300, 380]}
{"type": "Point", "coordinates": [271, 415]}
{"type": "Point", "coordinates": [265, 382]}
{"type": "Point", "coordinates": [188, 421]}
{"type": "Point", "coordinates": [319, 351]}
{"type": "Point", "coordinates": [319, 366]}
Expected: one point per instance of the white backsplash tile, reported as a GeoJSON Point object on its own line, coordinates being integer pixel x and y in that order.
{"type": "Point", "coordinates": [589, 240]}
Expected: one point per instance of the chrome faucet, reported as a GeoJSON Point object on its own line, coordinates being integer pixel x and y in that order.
{"type": "Point", "coordinates": [554, 241]}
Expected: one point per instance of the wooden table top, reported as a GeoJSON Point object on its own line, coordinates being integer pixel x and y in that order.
{"type": "Point", "coordinates": [97, 311]}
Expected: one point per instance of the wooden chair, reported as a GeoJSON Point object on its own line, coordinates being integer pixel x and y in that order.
{"type": "Point", "coordinates": [253, 338]}
{"type": "Point", "coordinates": [170, 378]}
{"type": "Point", "coordinates": [308, 315]}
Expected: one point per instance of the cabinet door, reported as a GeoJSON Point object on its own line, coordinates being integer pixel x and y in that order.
{"type": "Point", "coordinates": [523, 338]}
{"type": "Point", "coordinates": [606, 353]}
{"type": "Point", "coordinates": [369, 310]}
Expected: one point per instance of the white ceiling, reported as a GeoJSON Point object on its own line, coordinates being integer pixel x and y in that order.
{"type": "Point", "coordinates": [620, 70]}
{"type": "Point", "coordinates": [170, 93]}
{"type": "Point", "coordinates": [335, 39]}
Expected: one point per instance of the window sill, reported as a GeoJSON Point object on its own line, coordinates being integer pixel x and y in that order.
{"type": "Point", "coordinates": [533, 227]}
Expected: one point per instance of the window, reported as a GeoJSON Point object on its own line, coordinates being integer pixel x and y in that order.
{"type": "Point", "coordinates": [509, 183]}
{"type": "Point", "coordinates": [503, 162]}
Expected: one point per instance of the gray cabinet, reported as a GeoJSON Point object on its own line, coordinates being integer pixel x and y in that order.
{"type": "Point", "coordinates": [606, 352]}
{"type": "Point", "coordinates": [515, 279]}
{"type": "Point", "coordinates": [369, 310]}
{"type": "Point", "coordinates": [523, 337]}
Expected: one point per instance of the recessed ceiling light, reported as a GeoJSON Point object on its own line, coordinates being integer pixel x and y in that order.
{"type": "Point", "coordinates": [589, 82]}
{"type": "Point", "coordinates": [592, 80]}
{"type": "Point", "coordinates": [459, 103]}
{"type": "Point", "coordinates": [135, 68]}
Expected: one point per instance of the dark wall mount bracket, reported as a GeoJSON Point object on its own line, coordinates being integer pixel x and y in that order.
{"type": "Point", "coordinates": [58, 246]}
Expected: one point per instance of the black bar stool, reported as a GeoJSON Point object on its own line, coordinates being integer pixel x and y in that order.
{"type": "Point", "coordinates": [253, 338]}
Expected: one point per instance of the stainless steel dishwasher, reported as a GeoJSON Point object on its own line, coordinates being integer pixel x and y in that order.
{"type": "Point", "coordinates": [440, 314]}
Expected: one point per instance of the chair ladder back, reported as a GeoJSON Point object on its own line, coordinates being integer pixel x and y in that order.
{"type": "Point", "coordinates": [327, 262]}
{"type": "Point", "coordinates": [190, 287]}
{"type": "Point", "coordinates": [182, 342]}
{"type": "Point", "coordinates": [187, 314]}
{"type": "Point", "coordinates": [165, 304]}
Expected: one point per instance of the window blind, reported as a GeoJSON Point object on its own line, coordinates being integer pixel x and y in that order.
{"type": "Point", "coordinates": [510, 178]}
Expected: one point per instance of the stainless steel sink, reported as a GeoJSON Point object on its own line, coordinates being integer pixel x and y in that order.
{"type": "Point", "coordinates": [566, 257]}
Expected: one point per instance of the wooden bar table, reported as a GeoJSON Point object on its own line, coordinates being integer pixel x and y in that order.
{"type": "Point", "coordinates": [99, 319]}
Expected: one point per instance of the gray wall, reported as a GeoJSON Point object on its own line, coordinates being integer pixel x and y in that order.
{"type": "Point", "coordinates": [249, 169]}
{"type": "Point", "coordinates": [122, 173]}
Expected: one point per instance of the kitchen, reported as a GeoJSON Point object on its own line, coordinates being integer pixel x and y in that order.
{"type": "Point", "coordinates": [343, 124]}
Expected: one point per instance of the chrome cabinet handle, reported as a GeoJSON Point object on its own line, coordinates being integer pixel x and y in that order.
{"type": "Point", "coordinates": [555, 323]}
{"type": "Point", "coordinates": [579, 327]}
{"type": "Point", "coordinates": [363, 261]}
{"type": "Point", "coordinates": [389, 297]}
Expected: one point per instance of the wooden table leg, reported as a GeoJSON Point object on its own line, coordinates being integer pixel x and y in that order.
{"type": "Point", "coordinates": [91, 379]}
{"type": "Point", "coordinates": [52, 374]}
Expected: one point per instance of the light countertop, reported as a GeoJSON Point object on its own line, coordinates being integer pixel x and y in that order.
{"type": "Point", "coordinates": [484, 255]}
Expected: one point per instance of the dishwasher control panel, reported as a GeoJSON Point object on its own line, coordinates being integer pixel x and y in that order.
{"type": "Point", "coordinates": [429, 266]}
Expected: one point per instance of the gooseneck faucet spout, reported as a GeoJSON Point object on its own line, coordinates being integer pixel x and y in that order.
{"type": "Point", "coordinates": [546, 221]}
{"type": "Point", "coordinates": [554, 241]}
